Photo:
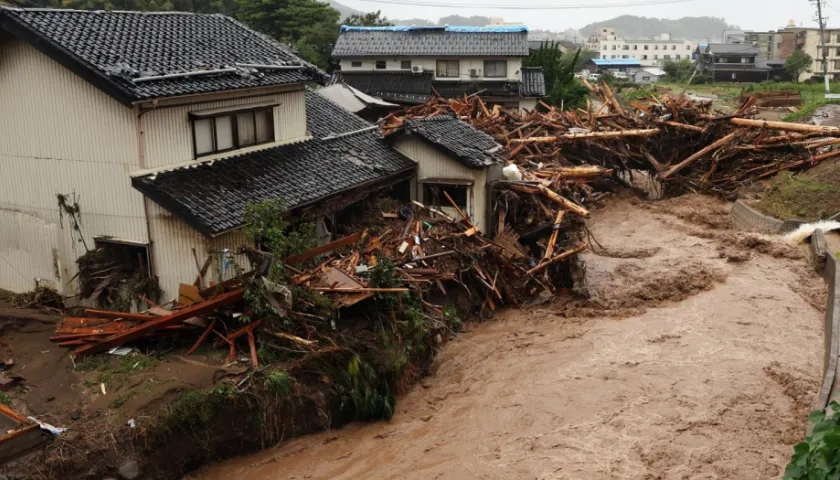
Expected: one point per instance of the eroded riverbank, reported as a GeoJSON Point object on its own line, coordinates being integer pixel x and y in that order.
{"type": "Point", "coordinates": [697, 356]}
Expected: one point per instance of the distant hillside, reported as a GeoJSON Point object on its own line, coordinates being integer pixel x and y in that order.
{"type": "Point", "coordinates": [694, 28]}
{"type": "Point", "coordinates": [344, 10]}
{"type": "Point", "coordinates": [474, 21]}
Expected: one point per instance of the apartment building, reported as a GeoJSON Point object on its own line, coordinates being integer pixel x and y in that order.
{"type": "Point", "coordinates": [649, 53]}
{"type": "Point", "coordinates": [807, 40]}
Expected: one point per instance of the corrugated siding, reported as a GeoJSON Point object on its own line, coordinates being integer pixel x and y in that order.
{"type": "Point", "coordinates": [431, 163]}
{"type": "Point", "coordinates": [172, 251]}
{"type": "Point", "coordinates": [59, 135]}
{"type": "Point", "coordinates": [167, 132]}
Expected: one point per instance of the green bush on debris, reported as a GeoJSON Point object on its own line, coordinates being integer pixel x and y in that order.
{"type": "Point", "coordinates": [818, 456]}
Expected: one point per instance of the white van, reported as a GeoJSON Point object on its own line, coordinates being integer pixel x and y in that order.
{"type": "Point", "coordinates": [594, 77]}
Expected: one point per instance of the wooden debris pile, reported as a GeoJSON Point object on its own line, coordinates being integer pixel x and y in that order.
{"type": "Point", "coordinates": [681, 142]}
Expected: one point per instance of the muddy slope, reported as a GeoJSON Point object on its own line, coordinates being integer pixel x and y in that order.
{"type": "Point", "coordinates": [701, 363]}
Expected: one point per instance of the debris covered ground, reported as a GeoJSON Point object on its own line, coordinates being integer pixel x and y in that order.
{"type": "Point", "coordinates": [308, 338]}
{"type": "Point", "coordinates": [691, 351]}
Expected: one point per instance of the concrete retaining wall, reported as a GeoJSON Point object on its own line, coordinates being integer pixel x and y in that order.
{"type": "Point", "coordinates": [825, 262]}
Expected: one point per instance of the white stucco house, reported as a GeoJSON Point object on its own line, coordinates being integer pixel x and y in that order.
{"type": "Point", "coordinates": [409, 64]}
{"type": "Point", "coordinates": [159, 128]}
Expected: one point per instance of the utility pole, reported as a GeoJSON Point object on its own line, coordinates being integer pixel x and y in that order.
{"type": "Point", "coordinates": [822, 22]}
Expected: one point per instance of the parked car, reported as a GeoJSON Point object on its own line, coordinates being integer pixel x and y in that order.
{"type": "Point", "coordinates": [594, 77]}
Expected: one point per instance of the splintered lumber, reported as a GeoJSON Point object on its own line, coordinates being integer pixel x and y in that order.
{"type": "Point", "coordinates": [561, 256]}
{"type": "Point", "coordinates": [676, 168]}
{"type": "Point", "coordinates": [359, 289]}
{"type": "Point", "coordinates": [327, 247]}
{"type": "Point", "coordinates": [207, 306]}
{"type": "Point", "coordinates": [588, 135]}
{"type": "Point", "coordinates": [563, 202]}
{"type": "Point", "coordinates": [549, 249]}
{"type": "Point", "coordinates": [202, 338]}
{"type": "Point", "coordinates": [142, 317]}
{"type": "Point", "coordinates": [694, 128]}
{"type": "Point", "coordinates": [789, 127]}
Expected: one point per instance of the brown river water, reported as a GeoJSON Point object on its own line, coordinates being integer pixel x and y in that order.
{"type": "Point", "coordinates": [697, 358]}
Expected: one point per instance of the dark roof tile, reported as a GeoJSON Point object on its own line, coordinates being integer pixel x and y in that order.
{"type": "Point", "coordinates": [533, 82]}
{"type": "Point", "coordinates": [473, 148]}
{"type": "Point", "coordinates": [432, 41]}
{"type": "Point", "coordinates": [116, 48]}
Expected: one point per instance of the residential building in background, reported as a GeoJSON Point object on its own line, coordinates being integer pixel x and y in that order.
{"type": "Point", "coordinates": [732, 62]}
{"type": "Point", "coordinates": [409, 64]}
{"type": "Point", "coordinates": [649, 52]}
{"type": "Point", "coordinates": [648, 75]}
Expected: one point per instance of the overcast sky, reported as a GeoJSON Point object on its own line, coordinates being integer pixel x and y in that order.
{"type": "Point", "coordinates": [748, 14]}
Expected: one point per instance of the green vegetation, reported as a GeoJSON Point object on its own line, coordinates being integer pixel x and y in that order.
{"type": "Point", "coordinates": [804, 113]}
{"type": "Point", "coordinates": [818, 456]}
{"type": "Point", "coordinates": [798, 63]}
{"type": "Point", "coordinates": [5, 399]}
{"type": "Point", "coordinates": [559, 72]}
{"type": "Point", "coordinates": [373, 19]}
{"type": "Point", "coordinates": [278, 382]}
{"type": "Point", "coordinates": [678, 71]}
{"type": "Point", "coordinates": [814, 194]}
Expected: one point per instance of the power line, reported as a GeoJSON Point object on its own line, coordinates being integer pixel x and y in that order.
{"type": "Point", "coordinates": [632, 3]}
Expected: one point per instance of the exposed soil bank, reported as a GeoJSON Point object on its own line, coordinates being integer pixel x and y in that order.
{"type": "Point", "coordinates": [697, 357]}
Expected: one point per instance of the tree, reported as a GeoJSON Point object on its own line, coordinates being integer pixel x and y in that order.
{"type": "Point", "coordinates": [309, 25]}
{"type": "Point", "coordinates": [678, 71]}
{"type": "Point", "coordinates": [372, 19]}
{"type": "Point", "coordinates": [559, 71]}
{"type": "Point", "coordinates": [798, 63]}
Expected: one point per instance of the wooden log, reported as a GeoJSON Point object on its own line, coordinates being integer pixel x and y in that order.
{"type": "Point", "coordinates": [563, 202]}
{"type": "Point", "coordinates": [788, 127]}
{"type": "Point", "coordinates": [566, 254]}
{"type": "Point", "coordinates": [141, 317]}
{"type": "Point", "coordinates": [327, 247]}
{"type": "Point", "coordinates": [684, 126]}
{"type": "Point", "coordinates": [688, 161]}
{"type": "Point", "coordinates": [359, 289]}
{"type": "Point", "coordinates": [549, 250]}
{"type": "Point", "coordinates": [588, 135]}
{"type": "Point", "coordinates": [203, 337]}
{"type": "Point", "coordinates": [223, 300]}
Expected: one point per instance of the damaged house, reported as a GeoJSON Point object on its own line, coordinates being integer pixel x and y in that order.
{"type": "Point", "coordinates": [410, 64]}
{"type": "Point", "coordinates": [145, 135]}
{"type": "Point", "coordinates": [148, 133]}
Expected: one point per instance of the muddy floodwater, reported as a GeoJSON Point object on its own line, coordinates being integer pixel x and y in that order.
{"type": "Point", "coordinates": [698, 357]}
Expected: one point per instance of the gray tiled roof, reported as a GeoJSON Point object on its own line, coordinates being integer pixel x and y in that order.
{"type": "Point", "coordinates": [731, 49]}
{"type": "Point", "coordinates": [533, 82]}
{"type": "Point", "coordinates": [211, 196]}
{"type": "Point", "coordinates": [473, 148]}
{"type": "Point", "coordinates": [430, 42]}
{"type": "Point", "coordinates": [113, 49]}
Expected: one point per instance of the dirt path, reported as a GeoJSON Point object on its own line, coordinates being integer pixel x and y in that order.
{"type": "Point", "coordinates": [716, 385]}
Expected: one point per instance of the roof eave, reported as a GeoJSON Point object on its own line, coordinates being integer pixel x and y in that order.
{"type": "Point", "coordinates": [76, 65]}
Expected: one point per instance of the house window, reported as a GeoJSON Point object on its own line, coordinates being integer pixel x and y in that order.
{"type": "Point", "coordinates": [356, 64]}
{"type": "Point", "coordinates": [656, 57]}
{"type": "Point", "coordinates": [614, 47]}
{"type": "Point", "coordinates": [433, 195]}
{"type": "Point", "coordinates": [605, 47]}
{"type": "Point", "coordinates": [381, 64]}
{"type": "Point", "coordinates": [613, 56]}
{"type": "Point", "coordinates": [678, 57]}
{"type": "Point", "coordinates": [495, 68]}
{"type": "Point", "coordinates": [646, 47]}
{"type": "Point", "coordinates": [656, 47]}
{"type": "Point", "coordinates": [405, 64]}
{"type": "Point", "coordinates": [448, 68]}
{"type": "Point", "coordinates": [646, 79]}
{"type": "Point", "coordinates": [229, 131]}
{"type": "Point", "coordinates": [626, 47]}
{"type": "Point", "coordinates": [688, 47]}
{"type": "Point", "coordinates": [667, 57]}
{"type": "Point", "coordinates": [644, 57]}
{"type": "Point", "coordinates": [635, 47]}
{"type": "Point", "coordinates": [673, 47]}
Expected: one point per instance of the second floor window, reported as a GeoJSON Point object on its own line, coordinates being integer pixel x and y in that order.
{"type": "Point", "coordinates": [646, 47]}
{"type": "Point", "coordinates": [405, 64]}
{"type": "Point", "coordinates": [448, 68]}
{"type": "Point", "coordinates": [356, 64]}
{"type": "Point", "coordinates": [381, 64]}
{"type": "Point", "coordinates": [495, 68]}
{"type": "Point", "coordinates": [230, 131]}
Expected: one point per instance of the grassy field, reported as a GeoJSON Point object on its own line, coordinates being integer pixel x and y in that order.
{"type": "Point", "coordinates": [814, 194]}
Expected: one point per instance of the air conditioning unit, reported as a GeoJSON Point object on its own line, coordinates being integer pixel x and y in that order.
{"type": "Point", "coordinates": [416, 69]}
{"type": "Point", "coordinates": [473, 73]}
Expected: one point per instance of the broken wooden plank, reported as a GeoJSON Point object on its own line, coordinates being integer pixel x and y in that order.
{"type": "Point", "coordinates": [589, 135]}
{"type": "Point", "coordinates": [786, 126]}
{"type": "Point", "coordinates": [561, 256]}
{"type": "Point", "coordinates": [327, 247]}
{"type": "Point", "coordinates": [688, 161]}
{"type": "Point", "coordinates": [142, 317]}
{"type": "Point", "coordinates": [563, 202]}
{"type": "Point", "coordinates": [202, 338]}
{"type": "Point", "coordinates": [207, 306]}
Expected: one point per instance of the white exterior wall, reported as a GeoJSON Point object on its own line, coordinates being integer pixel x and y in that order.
{"type": "Point", "coordinates": [527, 104]}
{"type": "Point", "coordinates": [59, 135]}
{"type": "Point", "coordinates": [62, 135]}
{"type": "Point", "coordinates": [655, 52]}
{"type": "Point", "coordinates": [514, 65]}
{"type": "Point", "coordinates": [431, 163]}
{"type": "Point", "coordinates": [167, 132]}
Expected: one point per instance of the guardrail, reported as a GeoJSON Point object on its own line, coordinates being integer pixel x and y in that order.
{"type": "Point", "coordinates": [826, 263]}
